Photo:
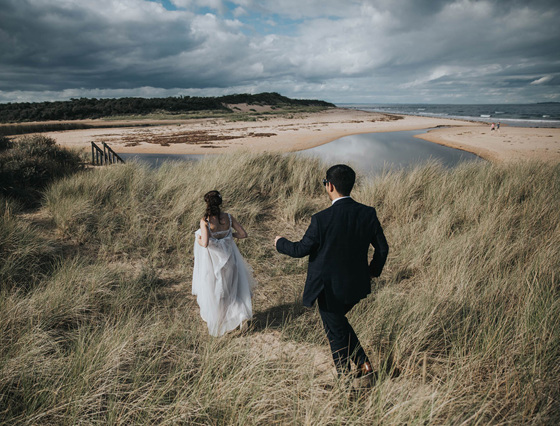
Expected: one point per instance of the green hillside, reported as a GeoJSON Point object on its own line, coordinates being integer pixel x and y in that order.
{"type": "Point", "coordinates": [90, 108]}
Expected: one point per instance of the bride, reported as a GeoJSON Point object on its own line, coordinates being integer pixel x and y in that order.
{"type": "Point", "coordinates": [222, 280]}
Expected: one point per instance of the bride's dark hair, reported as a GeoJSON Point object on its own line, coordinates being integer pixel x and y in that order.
{"type": "Point", "coordinates": [213, 202]}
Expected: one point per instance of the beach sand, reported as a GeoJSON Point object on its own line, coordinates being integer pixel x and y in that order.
{"type": "Point", "coordinates": [299, 131]}
{"type": "Point", "coordinates": [507, 144]}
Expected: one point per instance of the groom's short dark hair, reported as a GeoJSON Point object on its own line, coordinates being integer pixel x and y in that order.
{"type": "Point", "coordinates": [342, 177]}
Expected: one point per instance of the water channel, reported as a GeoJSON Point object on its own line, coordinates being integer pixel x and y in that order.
{"type": "Point", "coordinates": [369, 153]}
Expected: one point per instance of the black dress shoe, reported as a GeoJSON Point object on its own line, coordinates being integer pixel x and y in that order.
{"type": "Point", "coordinates": [365, 377]}
{"type": "Point", "coordinates": [365, 369]}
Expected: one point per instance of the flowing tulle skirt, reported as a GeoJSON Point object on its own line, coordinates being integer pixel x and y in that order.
{"type": "Point", "coordinates": [222, 283]}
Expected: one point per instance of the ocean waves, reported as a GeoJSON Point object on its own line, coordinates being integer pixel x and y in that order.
{"type": "Point", "coordinates": [524, 115]}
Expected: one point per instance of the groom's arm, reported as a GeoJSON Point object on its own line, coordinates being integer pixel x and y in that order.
{"type": "Point", "coordinates": [308, 243]}
{"type": "Point", "coordinates": [379, 243]}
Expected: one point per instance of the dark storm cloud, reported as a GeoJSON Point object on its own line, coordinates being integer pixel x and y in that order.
{"type": "Point", "coordinates": [64, 45]}
{"type": "Point", "coordinates": [56, 46]}
{"type": "Point", "coordinates": [390, 50]}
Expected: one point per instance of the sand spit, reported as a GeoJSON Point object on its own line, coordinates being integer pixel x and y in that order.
{"type": "Point", "coordinates": [507, 144]}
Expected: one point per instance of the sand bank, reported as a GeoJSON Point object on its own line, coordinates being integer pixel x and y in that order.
{"type": "Point", "coordinates": [294, 132]}
{"type": "Point", "coordinates": [283, 133]}
{"type": "Point", "coordinates": [506, 144]}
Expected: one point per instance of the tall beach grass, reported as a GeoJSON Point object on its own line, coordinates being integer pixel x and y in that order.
{"type": "Point", "coordinates": [467, 309]}
{"type": "Point", "coordinates": [28, 165]}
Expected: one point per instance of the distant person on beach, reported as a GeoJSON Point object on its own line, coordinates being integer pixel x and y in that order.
{"type": "Point", "coordinates": [492, 126]}
{"type": "Point", "coordinates": [498, 126]}
{"type": "Point", "coordinates": [338, 274]}
{"type": "Point", "coordinates": [222, 280]}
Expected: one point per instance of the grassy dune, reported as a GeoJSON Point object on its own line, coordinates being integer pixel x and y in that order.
{"type": "Point", "coordinates": [154, 119]}
{"type": "Point", "coordinates": [97, 323]}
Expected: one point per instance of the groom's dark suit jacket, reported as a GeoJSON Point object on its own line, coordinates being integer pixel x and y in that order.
{"type": "Point", "coordinates": [337, 242]}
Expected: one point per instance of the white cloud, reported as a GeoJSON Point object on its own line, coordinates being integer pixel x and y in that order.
{"type": "Point", "coordinates": [542, 80]}
{"type": "Point", "coordinates": [239, 11]}
{"type": "Point", "coordinates": [334, 49]}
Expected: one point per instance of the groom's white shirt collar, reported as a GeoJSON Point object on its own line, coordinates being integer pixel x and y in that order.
{"type": "Point", "coordinates": [340, 198]}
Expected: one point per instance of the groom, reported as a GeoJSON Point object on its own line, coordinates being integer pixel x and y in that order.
{"type": "Point", "coordinates": [338, 274]}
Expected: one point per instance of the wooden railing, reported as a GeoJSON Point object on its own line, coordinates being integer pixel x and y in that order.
{"type": "Point", "coordinates": [104, 156]}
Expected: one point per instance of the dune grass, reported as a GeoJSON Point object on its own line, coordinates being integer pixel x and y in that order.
{"type": "Point", "coordinates": [26, 256]}
{"type": "Point", "coordinates": [286, 111]}
{"type": "Point", "coordinates": [28, 165]}
{"type": "Point", "coordinates": [467, 309]}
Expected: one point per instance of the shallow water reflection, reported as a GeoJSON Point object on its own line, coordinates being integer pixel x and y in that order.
{"type": "Point", "coordinates": [372, 152]}
{"type": "Point", "coordinates": [369, 153]}
{"type": "Point", "coordinates": [156, 160]}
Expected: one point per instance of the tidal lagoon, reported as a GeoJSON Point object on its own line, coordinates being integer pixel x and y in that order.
{"type": "Point", "coordinates": [370, 153]}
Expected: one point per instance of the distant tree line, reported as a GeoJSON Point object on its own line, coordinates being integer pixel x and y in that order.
{"type": "Point", "coordinates": [83, 108]}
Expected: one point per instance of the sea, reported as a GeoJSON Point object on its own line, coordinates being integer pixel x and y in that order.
{"type": "Point", "coordinates": [523, 115]}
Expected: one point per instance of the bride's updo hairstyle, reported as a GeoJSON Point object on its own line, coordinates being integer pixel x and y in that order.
{"type": "Point", "coordinates": [213, 202]}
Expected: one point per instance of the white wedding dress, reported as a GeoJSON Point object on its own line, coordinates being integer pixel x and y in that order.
{"type": "Point", "coordinates": [222, 282]}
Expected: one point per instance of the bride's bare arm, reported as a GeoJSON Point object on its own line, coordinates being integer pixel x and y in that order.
{"type": "Point", "coordinates": [203, 238]}
{"type": "Point", "coordinates": [239, 231]}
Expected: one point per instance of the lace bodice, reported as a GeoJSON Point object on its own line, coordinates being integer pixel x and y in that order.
{"type": "Point", "coordinates": [218, 235]}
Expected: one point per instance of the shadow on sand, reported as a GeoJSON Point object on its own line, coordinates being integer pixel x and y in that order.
{"type": "Point", "coordinates": [276, 317]}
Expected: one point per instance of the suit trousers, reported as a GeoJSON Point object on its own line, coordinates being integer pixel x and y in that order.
{"type": "Point", "coordinates": [345, 346]}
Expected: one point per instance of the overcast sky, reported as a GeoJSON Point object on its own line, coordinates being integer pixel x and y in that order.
{"type": "Point", "coordinates": [398, 51]}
